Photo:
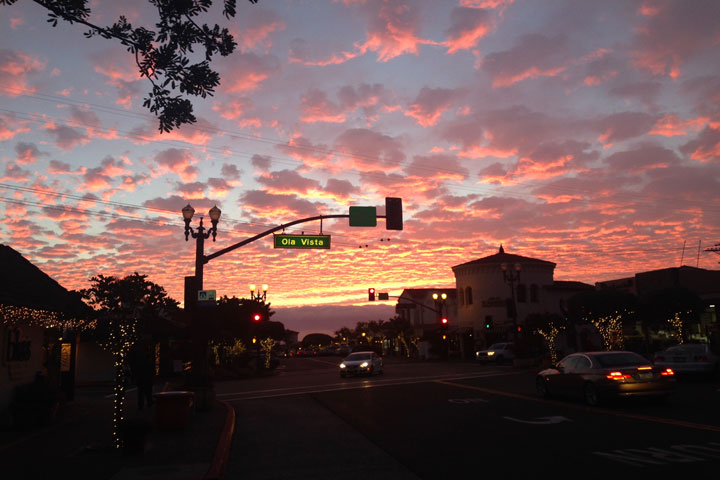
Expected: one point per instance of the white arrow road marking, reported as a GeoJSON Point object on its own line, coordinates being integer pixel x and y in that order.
{"type": "Point", "coordinates": [541, 420]}
{"type": "Point", "coordinates": [465, 401]}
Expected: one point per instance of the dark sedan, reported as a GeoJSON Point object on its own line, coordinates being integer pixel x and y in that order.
{"type": "Point", "coordinates": [598, 376]}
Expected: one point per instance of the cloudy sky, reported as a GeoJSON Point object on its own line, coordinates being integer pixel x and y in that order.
{"type": "Point", "coordinates": [580, 132]}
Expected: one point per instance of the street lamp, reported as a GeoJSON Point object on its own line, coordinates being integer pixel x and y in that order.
{"type": "Point", "coordinates": [200, 235]}
{"type": "Point", "coordinates": [510, 278]}
{"type": "Point", "coordinates": [258, 296]}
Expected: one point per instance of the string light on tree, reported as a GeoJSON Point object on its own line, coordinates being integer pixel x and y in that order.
{"type": "Point", "coordinates": [550, 335]}
{"type": "Point", "coordinates": [610, 329]}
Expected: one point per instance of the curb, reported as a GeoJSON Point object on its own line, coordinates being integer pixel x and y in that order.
{"type": "Point", "coordinates": [222, 451]}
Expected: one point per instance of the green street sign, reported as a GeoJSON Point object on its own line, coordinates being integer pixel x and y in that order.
{"type": "Point", "coordinates": [363, 217]}
{"type": "Point", "coordinates": [301, 241]}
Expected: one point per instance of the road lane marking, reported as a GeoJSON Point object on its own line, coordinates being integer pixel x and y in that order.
{"type": "Point", "coordinates": [541, 420]}
{"type": "Point", "coordinates": [348, 385]}
{"type": "Point", "coordinates": [645, 418]}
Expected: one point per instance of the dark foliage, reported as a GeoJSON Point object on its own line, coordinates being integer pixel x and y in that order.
{"type": "Point", "coordinates": [162, 55]}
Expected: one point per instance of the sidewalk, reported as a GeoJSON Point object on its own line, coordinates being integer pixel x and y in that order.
{"type": "Point", "coordinates": [79, 443]}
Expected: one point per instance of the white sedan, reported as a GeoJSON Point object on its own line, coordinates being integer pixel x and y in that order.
{"type": "Point", "coordinates": [361, 362]}
{"type": "Point", "coordinates": [498, 353]}
{"type": "Point", "coordinates": [689, 358]}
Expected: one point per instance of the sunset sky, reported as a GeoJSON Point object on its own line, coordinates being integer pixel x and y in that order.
{"type": "Point", "coordinates": [580, 132]}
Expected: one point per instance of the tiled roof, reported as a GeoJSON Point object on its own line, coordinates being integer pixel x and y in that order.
{"type": "Point", "coordinates": [23, 284]}
{"type": "Point", "coordinates": [502, 257]}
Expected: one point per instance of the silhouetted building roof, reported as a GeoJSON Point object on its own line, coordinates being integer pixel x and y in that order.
{"type": "Point", "coordinates": [502, 257]}
{"type": "Point", "coordinates": [22, 284]}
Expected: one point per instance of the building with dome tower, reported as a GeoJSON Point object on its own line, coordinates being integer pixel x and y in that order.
{"type": "Point", "coordinates": [496, 293]}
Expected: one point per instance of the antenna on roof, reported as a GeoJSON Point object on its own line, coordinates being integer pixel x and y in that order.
{"type": "Point", "coordinates": [502, 250]}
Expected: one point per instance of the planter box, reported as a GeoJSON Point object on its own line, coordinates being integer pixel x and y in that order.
{"type": "Point", "coordinates": [173, 409]}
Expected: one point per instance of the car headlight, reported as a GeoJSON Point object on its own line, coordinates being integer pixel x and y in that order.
{"type": "Point", "coordinates": [342, 365]}
{"type": "Point", "coordinates": [491, 353]}
{"type": "Point", "coordinates": [364, 365]}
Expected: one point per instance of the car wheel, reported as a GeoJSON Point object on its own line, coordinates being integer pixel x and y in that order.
{"type": "Point", "coordinates": [371, 371]}
{"type": "Point", "coordinates": [541, 387]}
{"type": "Point", "coordinates": [591, 394]}
{"type": "Point", "coordinates": [500, 360]}
{"type": "Point", "coordinates": [342, 375]}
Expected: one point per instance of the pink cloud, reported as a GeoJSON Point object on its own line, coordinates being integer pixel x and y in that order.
{"type": "Point", "coordinates": [704, 148]}
{"type": "Point", "coordinates": [286, 182]}
{"type": "Point", "coordinates": [66, 137]}
{"type": "Point", "coordinates": [368, 150]}
{"type": "Point", "coordinates": [199, 133]}
{"type": "Point", "coordinates": [392, 32]}
{"type": "Point", "coordinates": [671, 126]}
{"type": "Point", "coordinates": [256, 28]}
{"type": "Point", "coordinates": [56, 167]}
{"type": "Point", "coordinates": [438, 168]}
{"type": "Point", "coordinates": [10, 126]}
{"type": "Point", "coordinates": [642, 159]}
{"type": "Point", "coordinates": [534, 56]}
{"type": "Point", "coordinates": [238, 109]}
{"type": "Point", "coordinates": [15, 70]}
{"type": "Point", "coordinates": [312, 155]}
{"type": "Point", "coordinates": [430, 104]}
{"type": "Point", "coordinates": [624, 126]}
{"type": "Point", "coordinates": [178, 161]}
{"type": "Point", "coordinates": [315, 107]}
{"type": "Point", "coordinates": [468, 26]}
{"type": "Point", "coordinates": [266, 206]}
{"type": "Point", "coordinates": [672, 33]}
{"type": "Point", "coordinates": [247, 71]}
{"type": "Point", "coordinates": [13, 173]}
{"type": "Point", "coordinates": [27, 153]}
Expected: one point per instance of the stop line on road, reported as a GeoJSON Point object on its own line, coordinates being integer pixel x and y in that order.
{"type": "Point", "coordinates": [641, 457]}
{"type": "Point", "coordinates": [350, 385]}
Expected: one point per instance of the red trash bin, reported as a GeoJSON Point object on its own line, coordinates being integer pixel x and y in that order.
{"type": "Point", "coordinates": [172, 409]}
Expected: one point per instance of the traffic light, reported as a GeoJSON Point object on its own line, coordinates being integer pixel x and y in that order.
{"type": "Point", "coordinates": [257, 317]}
{"type": "Point", "coordinates": [393, 213]}
{"type": "Point", "coordinates": [488, 323]}
{"type": "Point", "coordinates": [371, 294]}
{"type": "Point", "coordinates": [444, 321]}
{"type": "Point", "coordinates": [254, 340]}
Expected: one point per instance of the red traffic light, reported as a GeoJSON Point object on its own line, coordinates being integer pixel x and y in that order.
{"type": "Point", "coordinates": [257, 317]}
{"type": "Point", "coordinates": [371, 294]}
{"type": "Point", "coordinates": [444, 321]}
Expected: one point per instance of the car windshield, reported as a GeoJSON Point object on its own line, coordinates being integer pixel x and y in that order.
{"type": "Point", "coordinates": [497, 346]}
{"type": "Point", "coordinates": [690, 348]}
{"type": "Point", "coordinates": [359, 356]}
{"type": "Point", "coordinates": [620, 359]}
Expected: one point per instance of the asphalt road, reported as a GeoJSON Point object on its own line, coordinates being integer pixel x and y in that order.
{"type": "Point", "coordinates": [443, 419]}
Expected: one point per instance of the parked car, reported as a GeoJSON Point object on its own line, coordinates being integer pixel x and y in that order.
{"type": "Point", "coordinates": [691, 358]}
{"type": "Point", "coordinates": [600, 376]}
{"type": "Point", "coordinates": [498, 353]}
{"type": "Point", "coordinates": [361, 362]}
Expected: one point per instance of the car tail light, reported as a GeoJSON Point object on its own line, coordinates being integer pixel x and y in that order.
{"type": "Point", "coordinates": [617, 376]}
{"type": "Point", "coordinates": [668, 372]}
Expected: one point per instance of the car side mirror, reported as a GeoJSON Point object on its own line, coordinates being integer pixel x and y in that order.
{"type": "Point", "coordinates": [559, 368]}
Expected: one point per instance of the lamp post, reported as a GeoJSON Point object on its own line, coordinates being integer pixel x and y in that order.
{"type": "Point", "coordinates": [510, 278]}
{"type": "Point", "coordinates": [200, 382]}
{"type": "Point", "coordinates": [200, 235]}
{"type": "Point", "coordinates": [260, 297]}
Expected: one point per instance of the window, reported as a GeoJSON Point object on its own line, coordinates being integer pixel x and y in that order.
{"type": "Point", "coordinates": [468, 295]}
{"type": "Point", "coordinates": [534, 293]}
{"type": "Point", "coordinates": [461, 297]}
{"type": "Point", "coordinates": [521, 294]}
